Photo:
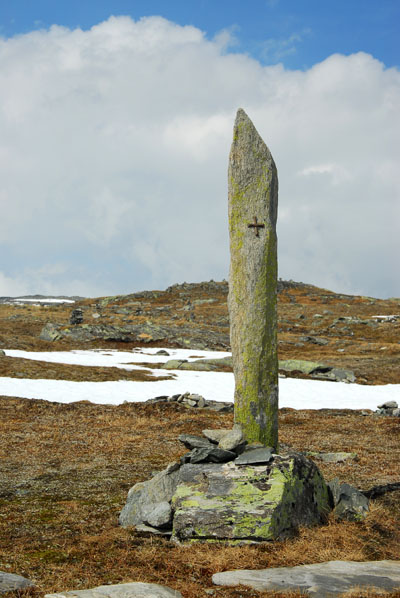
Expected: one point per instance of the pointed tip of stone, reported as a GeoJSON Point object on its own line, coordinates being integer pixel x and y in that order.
{"type": "Point", "coordinates": [243, 126]}
{"type": "Point", "coordinates": [241, 115]}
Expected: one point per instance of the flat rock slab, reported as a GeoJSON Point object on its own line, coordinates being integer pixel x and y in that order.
{"type": "Point", "coordinates": [323, 579]}
{"type": "Point", "coordinates": [10, 582]}
{"type": "Point", "coordinates": [260, 455]}
{"type": "Point", "coordinates": [122, 590]}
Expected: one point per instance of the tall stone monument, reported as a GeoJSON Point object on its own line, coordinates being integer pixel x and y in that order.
{"type": "Point", "coordinates": [225, 489]}
{"type": "Point", "coordinates": [253, 204]}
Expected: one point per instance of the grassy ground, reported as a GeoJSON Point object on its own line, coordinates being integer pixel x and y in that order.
{"type": "Point", "coordinates": [66, 469]}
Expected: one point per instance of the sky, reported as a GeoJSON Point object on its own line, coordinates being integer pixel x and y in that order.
{"type": "Point", "coordinates": [116, 122]}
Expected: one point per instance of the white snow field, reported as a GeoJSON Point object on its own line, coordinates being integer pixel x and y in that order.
{"type": "Point", "coordinates": [216, 386]}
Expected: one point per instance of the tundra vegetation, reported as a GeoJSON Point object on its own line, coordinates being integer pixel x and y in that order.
{"type": "Point", "coordinates": [65, 469]}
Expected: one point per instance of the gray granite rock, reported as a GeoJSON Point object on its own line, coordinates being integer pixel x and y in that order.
{"type": "Point", "coordinates": [76, 316]}
{"type": "Point", "coordinates": [50, 332]}
{"type": "Point", "coordinates": [211, 455]}
{"type": "Point", "coordinates": [214, 435]}
{"type": "Point", "coordinates": [144, 497]}
{"type": "Point", "coordinates": [160, 516]}
{"type": "Point", "coordinates": [349, 502]}
{"type": "Point", "coordinates": [192, 442]}
{"type": "Point", "coordinates": [333, 457]}
{"type": "Point", "coordinates": [388, 405]}
{"type": "Point", "coordinates": [122, 590]}
{"type": "Point", "coordinates": [317, 370]}
{"type": "Point", "coordinates": [10, 582]}
{"type": "Point", "coordinates": [174, 364]}
{"type": "Point", "coordinates": [322, 580]}
{"type": "Point", "coordinates": [232, 439]}
{"type": "Point", "coordinates": [260, 455]}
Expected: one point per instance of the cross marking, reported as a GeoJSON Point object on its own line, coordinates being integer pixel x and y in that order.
{"type": "Point", "coordinates": [256, 226]}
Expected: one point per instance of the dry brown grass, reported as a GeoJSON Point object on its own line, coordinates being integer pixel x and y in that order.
{"type": "Point", "coordinates": [15, 367]}
{"type": "Point", "coordinates": [66, 470]}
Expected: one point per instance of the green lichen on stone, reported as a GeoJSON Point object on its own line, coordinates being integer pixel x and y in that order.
{"type": "Point", "coordinates": [253, 189]}
{"type": "Point", "coordinates": [251, 503]}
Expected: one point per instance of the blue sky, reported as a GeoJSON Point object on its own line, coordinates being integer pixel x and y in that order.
{"type": "Point", "coordinates": [298, 33]}
{"type": "Point", "coordinates": [116, 122]}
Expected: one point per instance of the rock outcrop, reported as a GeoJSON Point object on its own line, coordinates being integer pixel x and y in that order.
{"type": "Point", "coordinates": [122, 590]}
{"type": "Point", "coordinates": [322, 580]}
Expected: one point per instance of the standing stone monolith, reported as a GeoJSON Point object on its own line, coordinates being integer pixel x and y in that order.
{"type": "Point", "coordinates": [253, 204]}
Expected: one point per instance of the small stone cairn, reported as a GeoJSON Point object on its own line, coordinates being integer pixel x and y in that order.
{"type": "Point", "coordinates": [195, 401]}
{"type": "Point", "coordinates": [76, 316]}
{"type": "Point", "coordinates": [225, 489]}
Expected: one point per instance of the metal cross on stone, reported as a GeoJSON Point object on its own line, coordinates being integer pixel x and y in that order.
{"type": "Point", "coordinates": [253, 189]}
{"type": "Point", "coordinates": [256, 226]}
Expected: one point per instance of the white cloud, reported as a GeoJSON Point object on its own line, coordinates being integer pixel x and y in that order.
{"type": "Point", "coordinates": [114, 145]}
{"type": "Point", "coordinates": [10, 287]}
{"type": "Point", "coordinates": [274, 50]}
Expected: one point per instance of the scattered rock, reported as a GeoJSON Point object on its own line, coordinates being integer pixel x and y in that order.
{"type": "Point", "coordinates": [162, 352]}
{"type": "Point", "coordinates": [174, 364]}
{"type": "Point", "coordinates": [144, 497]}
{"type": "Point", "coordinates": [332, 457]}
{"type": "Point", "coordinates": [300, 365]}
{"type": "Point", "coordinates": [50, 332]}
{"type": "Point", "coordinates": [122, 590]}
{"type": "Point", "coordinates": [2, 353]}
{"type": "Point", "coordinates": [143, 333]}
{"type": "Point", "coordinates": [316, 340]}
{"type": "Point", "coordinates": [9, 582]}
{"type": "Point", "coordinates": [389, 408]}
{"type": "Point", "coordinates": [194, 401]}
{"type": "Point", "coordinates": [388, 405]}
{"type": "Point", "coordinates": [322, 580]}
{"type": "Point", "coordinates": [349, 502]}
{"type": "Point", "coordinates": [76, 316]}
{"type": "Point", "coordinates": [317, 370]}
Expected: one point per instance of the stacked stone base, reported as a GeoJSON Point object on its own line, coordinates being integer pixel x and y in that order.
{"type": "Point", "coordinates": [254, 496]}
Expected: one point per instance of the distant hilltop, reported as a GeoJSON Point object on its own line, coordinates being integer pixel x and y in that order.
{"type": "Point", "coordinates": [43, 299]}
